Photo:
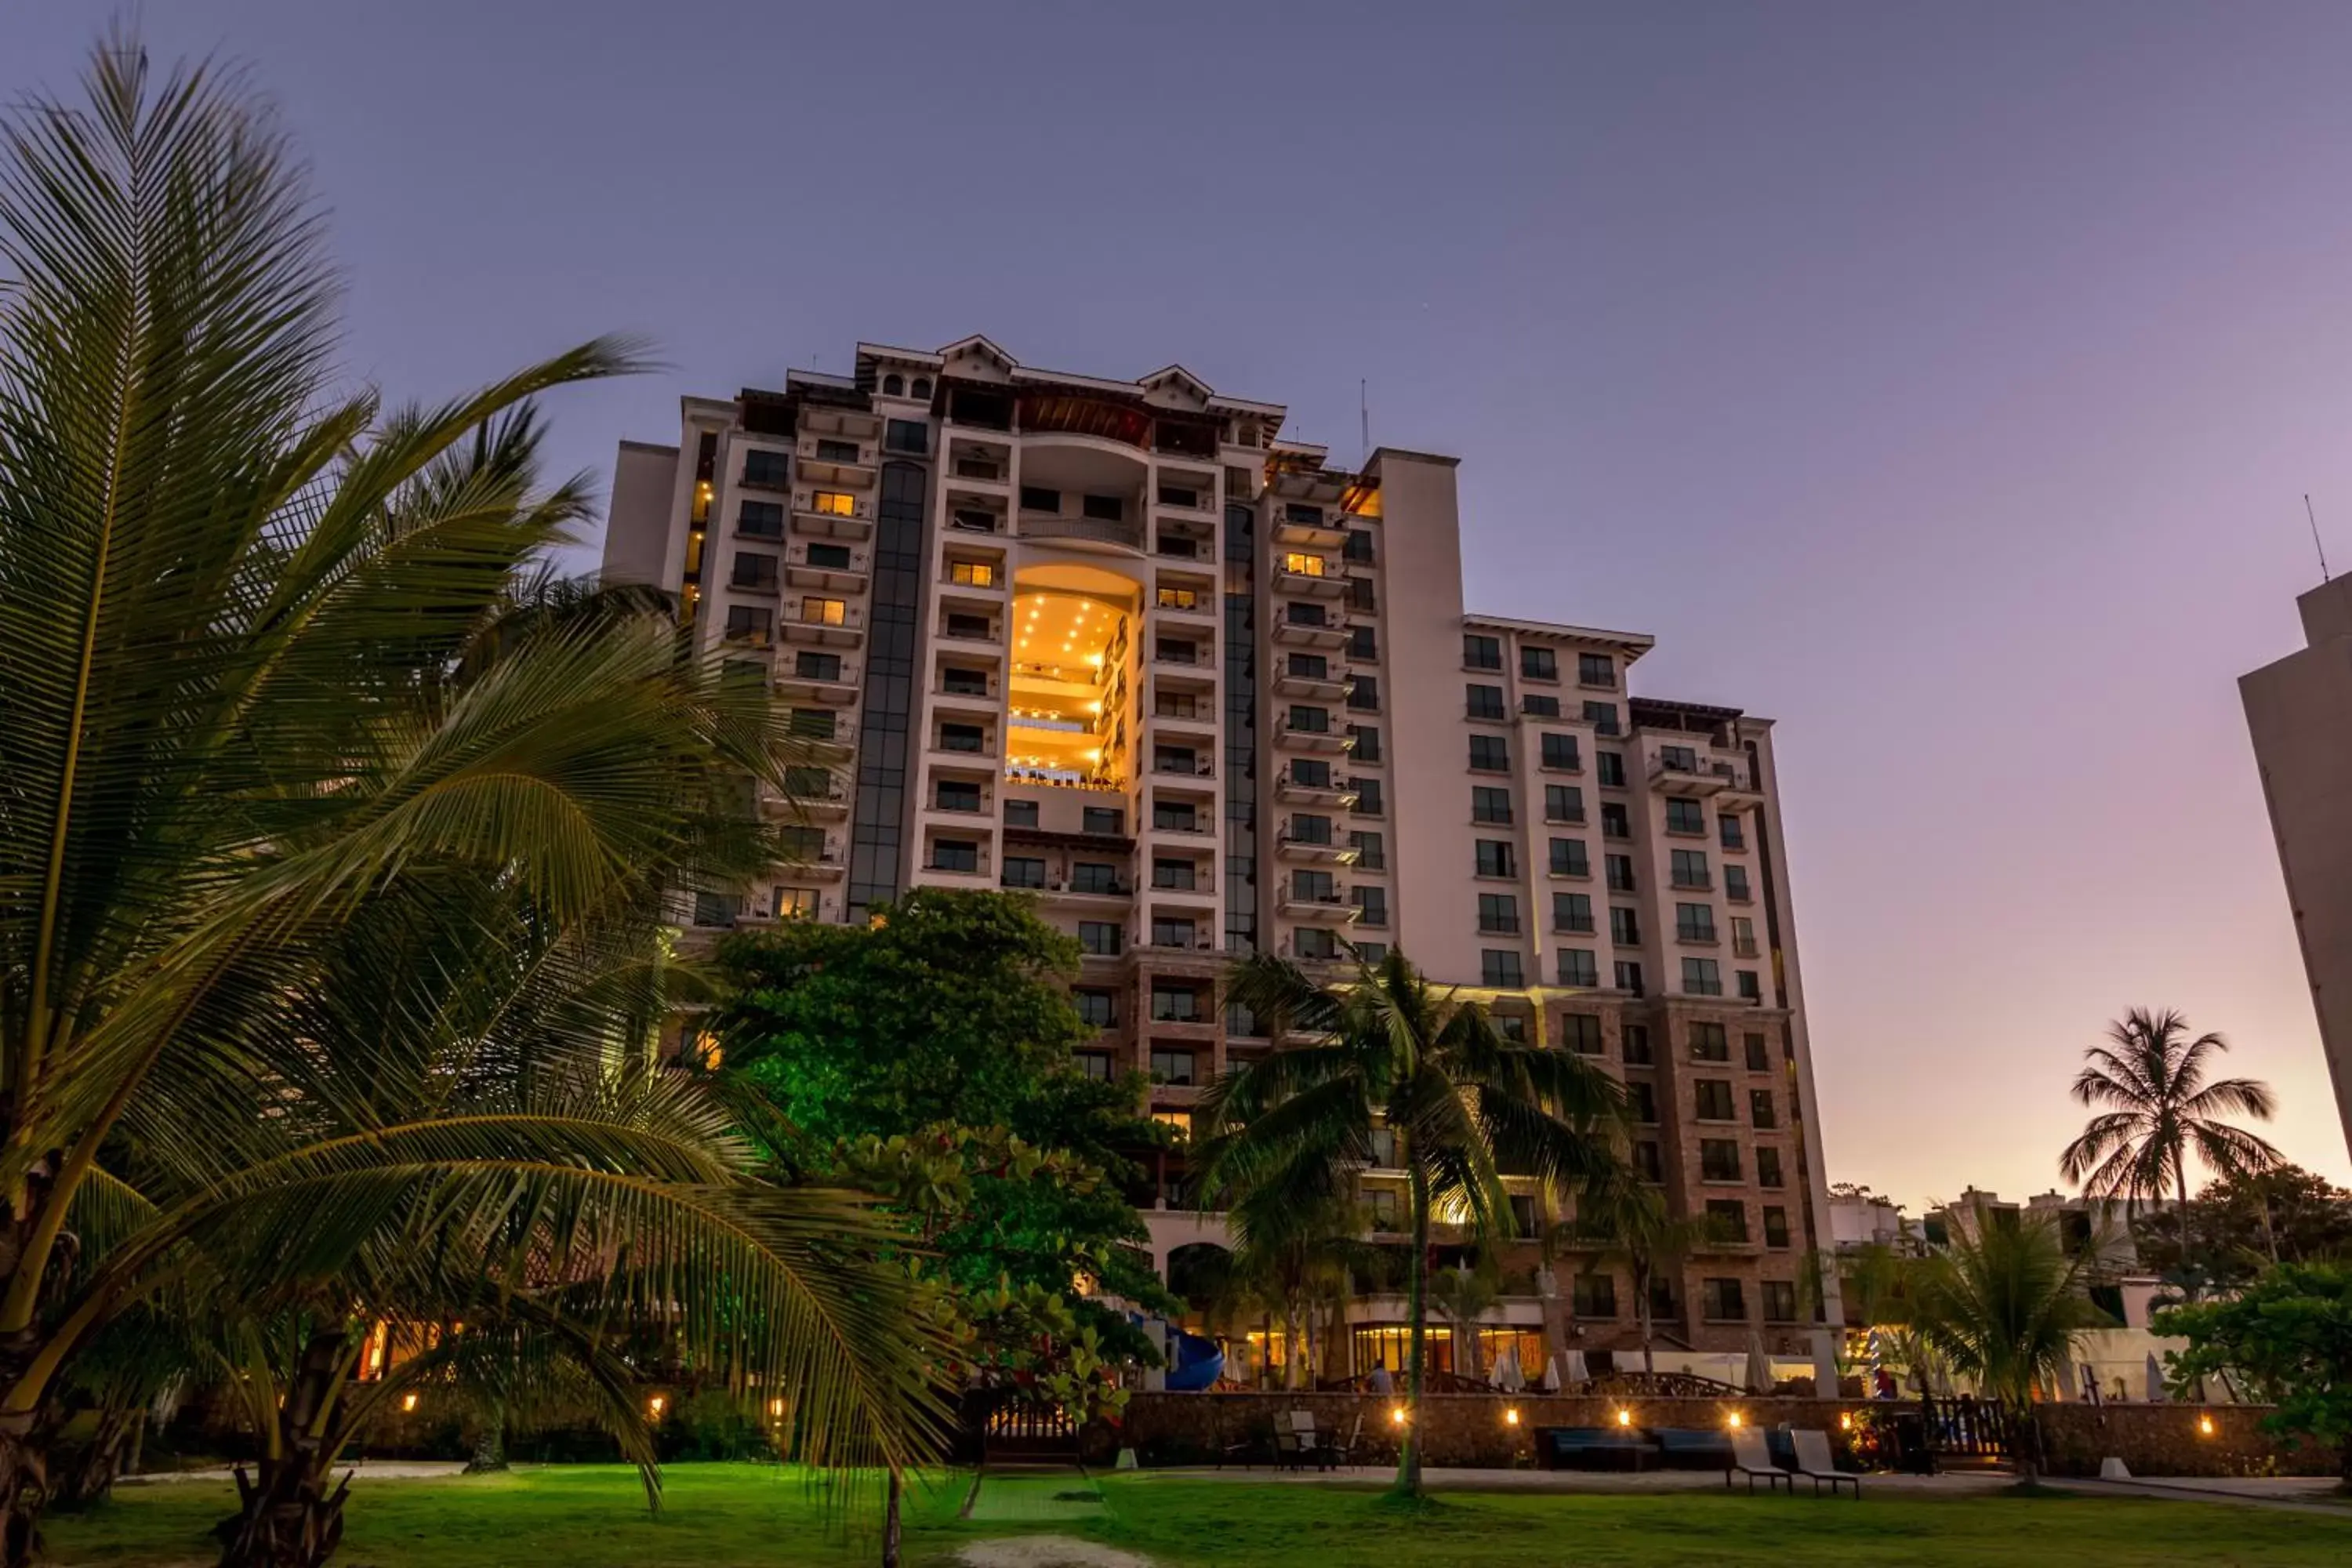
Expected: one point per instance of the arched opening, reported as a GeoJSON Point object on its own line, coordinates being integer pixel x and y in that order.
{"type": "Point", "coordinates": [893, 386]}
{"type": "Point", "coordinates": [923, 387]}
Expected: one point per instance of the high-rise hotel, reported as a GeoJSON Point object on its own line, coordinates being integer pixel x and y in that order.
{"type": "Point", "coordinates": [1119, 644]}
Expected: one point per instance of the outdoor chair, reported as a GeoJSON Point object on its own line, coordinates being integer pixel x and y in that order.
{"type": "Point", "coordinates": [1749, 1458]}
{"type": "Point", "coordinates": [1815, 1463]}
{"type": "Point", "coordinates": [1298, 1443]}
{"type": "Point", "coordinates": [1259, 1442]}
{"type": "Point", "coordinates": [1341, 1450]}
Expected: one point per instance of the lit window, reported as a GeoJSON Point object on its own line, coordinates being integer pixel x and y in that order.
{"type": "Point", "coordinates": [835, 503]}
{"type": "Point", "coordinates": [824, 612]}
{"type": "Point", "coordinates": [972, 573]}
{"type": "Point", "coordinates": [1303, 564]}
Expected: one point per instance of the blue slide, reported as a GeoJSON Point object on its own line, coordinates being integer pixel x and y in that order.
{"type": "Point", "coordinates": [1194, 1363]}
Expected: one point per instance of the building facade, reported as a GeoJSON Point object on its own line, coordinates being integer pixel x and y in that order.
{"type": "Point", "coordinates": [1119, 645]}
{"type": "Point", "coordinates": [2299, 712]}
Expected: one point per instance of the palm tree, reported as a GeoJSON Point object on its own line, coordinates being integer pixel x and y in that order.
{"type": "Point", "coordinates": [270, 732]}
{"type": "Point", "coordinates": [1464, 1295]}
{"type": "Point", "coordinates": [1389, 1050]}
{"type": "Point", "coordinates": [2155, 1107]}
{"type": "Point", "coordinates": [1628, 1218]}
{"type": "Point", "coordinates": [2007, 1305]}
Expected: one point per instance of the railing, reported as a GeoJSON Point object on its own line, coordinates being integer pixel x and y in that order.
{"type": "Point", "coordinates": [852, 618]}
{"type": "Point", "coordinates": [799, 556]}
{"type": "Point", "coordinates": [1100, 530]}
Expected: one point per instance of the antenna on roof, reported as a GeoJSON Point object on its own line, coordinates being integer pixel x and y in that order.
{"type": "Point", "coordinates": [1364, 419]}
{"type": "Point", "coordinates": [2315, 536]}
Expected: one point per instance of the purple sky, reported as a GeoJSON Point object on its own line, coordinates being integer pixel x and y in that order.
{"type": "Point", "coordinates": [1942, 384]}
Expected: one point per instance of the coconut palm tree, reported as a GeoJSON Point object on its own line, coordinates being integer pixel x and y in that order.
{"type": "Point", "coordinates": [2006, 1305]}
{"type": "Point", "coordinates": [1465, 1294]}
{"type": "Point", "coordinates": [2154, 1108]}
{"type": "Point", "coordinates": [1625, 1217]}
{"type": "Point", "coordinates": [269, 720]}
{"type": "Point", "coordinates": [1388, 1050]}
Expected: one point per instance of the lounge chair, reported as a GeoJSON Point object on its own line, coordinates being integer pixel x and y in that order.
{"type": "Point", "coordinates": [1749, 1458]}
{"type": "Point", "coordinates": [1342, 1450]}
{"type": "Point", "coordinates": [1816, 1464]}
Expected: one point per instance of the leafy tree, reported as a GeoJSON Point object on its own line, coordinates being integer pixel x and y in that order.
{"type": "Point", "coordinates": [1389, 1050]}
{"type": "Point", "coordinates": [2007, 1305]}
{"type": "Point", "coordinates": [2158, 1109]}
{"type": "Point", "coordinates": [2288, 1335]}
{"type": "Point", "coordinates": [1465, 1294]}
{"type": "Point", "coordinates": [2246, 1221]}
{"type": "Point", "coordinates": [1628, 1218]}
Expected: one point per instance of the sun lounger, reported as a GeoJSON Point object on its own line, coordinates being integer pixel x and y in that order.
{"type": "Point", "coordinates": [1749, 1458]}
{"type": "Point", "coordinates": [1816, 1464]}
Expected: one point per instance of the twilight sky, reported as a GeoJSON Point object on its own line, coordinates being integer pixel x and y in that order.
{"type": "Point", "coordinates": [1942, 384]}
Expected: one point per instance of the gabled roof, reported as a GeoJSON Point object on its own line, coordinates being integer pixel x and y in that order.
{"type": "Point", "coordinates": [1177, 373]}
{"type": "Point", "coordinates": [976, 341]}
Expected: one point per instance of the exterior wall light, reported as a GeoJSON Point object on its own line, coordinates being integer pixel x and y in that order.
{"type": "Point", "coordinates": [1396, 1414]}
{"type": "Point", "coordinates": [408, 1401]}
{"type": "Point", "coordinates": [654, 1407]}
{"type": "Point", "coordinates": [1511, 1416]}
{"type": "Point", "coordinates": [1625, 1418]}
{"type": "Point", "coordinates": [1732, 1420]}
{"type": "Point", "coordinates": [1845, 1420]}
{"type": "Point", "coordinates": [2204, 1425]}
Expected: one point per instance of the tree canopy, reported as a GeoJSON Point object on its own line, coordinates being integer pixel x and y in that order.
{"type": "Point", "coordinates": [2288, 1334]}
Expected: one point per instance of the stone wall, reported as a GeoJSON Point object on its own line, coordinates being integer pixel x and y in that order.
{"type": "Point", "coordinates": [1470, 1430]}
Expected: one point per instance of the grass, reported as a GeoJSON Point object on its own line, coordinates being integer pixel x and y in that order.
{"type": "Point", "coordinates": [734, 1516]}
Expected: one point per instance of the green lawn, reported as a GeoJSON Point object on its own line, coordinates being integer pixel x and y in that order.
{"type": "Point", "coordinates": [734, 1516]}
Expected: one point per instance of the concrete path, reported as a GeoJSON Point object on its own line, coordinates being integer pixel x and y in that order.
{"type": "Point", "coordinates": [374, 1470]}
{"type": "Point", "coordinates": [2285, 1494]}
{"type": "Point", "coordinates": [1580, 1481]}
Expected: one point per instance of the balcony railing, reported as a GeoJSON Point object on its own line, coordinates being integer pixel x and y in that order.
{"type": "Point", "coordinates": [1100, 530]}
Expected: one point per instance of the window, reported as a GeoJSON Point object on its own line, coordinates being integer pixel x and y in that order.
{"type": "Point", "coordinates": [1495, 857]}
{"type": "Point", "coordinates": [1176, 760]}
{"type": "Point", "coordinates": [1729, 833]}
{"type": "Point", "coordinates": [1684, 817]}
{"type": "Point", "coordinates": [1678, 759]}
{"type": "Point", "coordinates": [1314, 887]}
{"type": "Point", "coordinates": [1620, 872]}
{"type": "Point", "coordinates": [959, 682]}
{"type": "Point", "coordinates": [971, 520]}
{"type": "Point", "coordinates": [1718, 1160]}
{"type": "Point", "coordinates": [1571, 913]}
{"type": "Point", "coordinates": [1595, 670]}
{"type": "Point", "coordinates": [1373, 903]}
{"type": "Point", "coordinates": [1760, 1113]}
{"type": "Point", "coordinates": [961, 737]}
{"type": "Point", "coordinates": [760, 519]}
{"type": "Point", "coordinates": [1311, 772]}
{"type": "Point", "coordinates": [1499, 914]}
{"type": "Point", "coordinates": [1664, 1301]}
{"type": "Point", "coordinates": [1512, 1026]}
{"type": "Point", "coordinates": [1726, 1219]}
{"type": "Point", "coordinates": [817, 666]}
{"type": "Point", "coordinates": [1629, 976]}
{"type": "Point", "coordinates": [1563, 803]}
{"type": "Point", "coordinates": [1721, 1301]}
{"type": "Point", "coordinates": [1702, 977]}
{"type": "Point", "coordinates": [1093, 877]}
{"type": "Point", "coordinates": [1176, 651]}
{"type": "Point", "coordinates": [1363, 643]}
{"type": "Point", "coordinates": [1776, 1235]}
{"type": "Point", "coordinates": [1305, 665]}
{"type": "Point", "coordinates": [1373, 953]}
{"type": "Point", "coordinates": [1300, 615]}
{"type": "Point", "coordinates": [1314, 942]}
{"type": "Point", "coordinates": [1310, 721]}
{"type": "Point", "coordinates": [1611, 766]}
{"type": "Point", "coordinates": [816, 611]}
{"type": "Point", "coordinates": [1176, 1005]}
{"type": "Point", "coordinates": [808, 784]}
{"type": "Point", "coordinates": [1307, 828]}
{"type": "Point", "coordinates": [1095, 1065]}
{"type": "Point", "coordinates": [749, 624]}
{"type": "Point", "coordinates": [1490, 754]}
{"type": "Point", "coordinates": [1603, 717]}
{"type": "Point", "coordinates": [1240, 1020]}
{"type": "Point", "coordinates": [1099, 1008]}
{"type": "Point", "coordinates": [955, 795]}
{"type": "Point", "coordinates": [835, 503]}
{"type": "Point", "coordinates": [1361, 595]}
{"type": "Point", "coordinates": [1757, 1060]}
{"type": "Point", "coordinates": [1100, 938]}
{"type": "Point", "coordinates": [1743, 937]}
{"type": "Point", "coordinates": [816, 723]}
{"type": "Point", "coordinates": [1542, 707]}
{"type": "Point", "coordinates": [1035, 498]}
{"type": "Point", "coordinates": [837, 451]}
{"type": "Point", "coordinates": [1624, 926]}
{"type": "Point", "coordinates": [1103, 509]}
{"type": "Point", "coordinates": [1103, 820]}
{"type": "Point", "coordinates": [970, 573]}
{"type": "Point", "coordinates": [1580, 1033]}
{"type": "Point", "coordinates": [1367, 797]}
{"type": "Point", "coordinates": [1578, 966]}
{"type": "Point", "coordinates": [831, 557]}
{"type": "Point", "coordinates": [1483, 702]}
{"type": "Point", "coordinates": [1614, 823]}
{"type": "Point", "coordinates": [1179, 495]}
{"type": "Point", "coordinates": [1489, 804]}
{"type": "Point", "coordinates": [1303, 564]}
{"type": "Point", "coordinates": [894, 386]}
{"type": "Point", "coordinates": [1367, 741]}
{"type": "Point", "coordinates": [1481, 652]}
{"type": "Point", "coordinates": [1357, 546]}
{"type": "Point", "coordinates": [1560, 752]}
{"type": "Point", "coordinates": [1025, 871]}
{"type": "Point", "coordinates": [1171, 931]}
{"type": "Point", "coordinates": [1636, 1038]}
{"type": "Point", "coordinates": [1175, 816]}
{"type": "Point", "coordinates": [1693, 923]}
{"type": "Point", "coordinates": [1735, 884]}
{"type": "Point", "coordinates": [1178, 598]}
{"type": "Point", "coordinates": [1749, 987]}
{"type": "Point", "coordinates": [1708, 1043]}
{"type": "Point", "coordinates": [1372, 853]}
{"type": "Point", "coordinates": [1364, 693]}
{"type": "Point", "coordinates": [1538, 664]}
{"type": "Point", "coordinates": [907, 436]}
{"type": "Point", "coordinates": [1780, 1295]}
{"type": "Point", "coordinates": [1568, 858]}
{"type": "Point", "coordinates": [1688, 868]}
{"type": "Point", "coordinates": [955, 855]}
{"type": "Point", "coordinates": [1384, 1209]}
{"type": "Point", "coordinates": [1711, 1097]}
{"type": "Point", "coordinates": [1642, 1102]}
{"type": "Point", "coordinates": [1768, 1167]}
{"type": "Point", "coordinates": [1593, 1296]}
{"type": "Point", "coordinates": [974, 629]}
{"type": "Point", "coordinates": [1177, 875]}
{"type": "Point", "coordinates": [1500, 968]}
{"type": "Point", "coordinates": [922, 387]}
{"type": "Point", "coordinates": [1647, 1162]}
{"type": "Point", "coordinates": [1524, 1217]}
{"type": "Point", "coordinates": [771, 470]}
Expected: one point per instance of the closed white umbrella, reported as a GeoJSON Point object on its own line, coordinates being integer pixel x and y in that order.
{"type": "Point", "coordinates": [1577, 1371]}
{"type": "Point", "coordinates": [1507, 1376]}
{"type": "Point", "coordinates": [2155, 1381]}
{"type": "Point", "coordinates": [1551, 1374]}
{"type": "Point", "coordinates": [1759, 1366]}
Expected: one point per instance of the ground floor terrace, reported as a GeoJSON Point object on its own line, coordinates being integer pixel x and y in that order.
{"type": "Point", "coordinates": [735, 1516]}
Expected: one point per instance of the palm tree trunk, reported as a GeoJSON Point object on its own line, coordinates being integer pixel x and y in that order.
{"type": "Point", "coordinates": [1641, 1314]}
{"type": "Point", "coordinates": [286, 1517]}
{"type": "Point", "coordinates": [23, 1483]}
{"type": "Point", "coordinates": [489, 1440]}
{"type": "Point", "coordinates": [890, 1524]}
{"type": "Point", "coordinates": [1409, 1461]}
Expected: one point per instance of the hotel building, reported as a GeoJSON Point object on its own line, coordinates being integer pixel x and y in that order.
{"type": "Point", "coordinates": [1119, 645]}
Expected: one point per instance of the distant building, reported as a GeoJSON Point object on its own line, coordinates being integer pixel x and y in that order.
{"type": "Point", "coordinates": [2299, 711]}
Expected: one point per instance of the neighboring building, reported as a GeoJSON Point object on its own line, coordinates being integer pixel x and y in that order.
{"type": "Point", "coordinates": [1119, 645]}
{"type": "Point", "coordinates": [1859, 1219]}
{"type": "Point", "coordinates": [2299, 711]}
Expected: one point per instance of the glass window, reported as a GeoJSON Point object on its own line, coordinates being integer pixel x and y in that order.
{"type": "Point", "coordinates": [1579, 966]}
{"type": "Point", "coordinates": [1620, 872]}
{"type": "Point", "coordinates": [1731, 836]}
{"type": "Point", "coordinates": [1708, 1042]}
{"type": "Point", "coordinates": [1103, 509]}
{"type": "Point", "coordinates": [1603, 717]}
{"type": "Point", "coordinates": [1560, 752]}
{"type": "Point", "coordinates": [1175, 816]}
{"type": "Point", "coordinates": [1678, 759]}
{"type": "Point", "coordinates": [1095, 1065]}
{"type": "Point", "coordinates": [1020, 813]}
{"type": "Point", "coordinates": [1611, 766]}
{"type": "Point", "coordinates": [1539, 663]}
{"type": "Point", "coordinates": [1371, 854]}
{"type": "Point", "coordinates": [1489, 804]}
{"type": "Point", "coordinates": [1702, 977]}
{"type": "Point", "coordinates": [1384, 1209]}
{"type": "Point", "coordinates": [1172, 1066]}
{"type": "Point", "coordinates": [1498, 913]}
{"type": "Point", "coordinates": [1308, 665]}
{"type": "Point", "coordinates": [1749, 987]}
{"type": "Point", "coordinates": [1368, 742]}
{"type": "Point", "coordinates": [1684, 817]}
{"type": "Point", "coordinates": [1100, 938]}
{"type": "Point", "coordinates": [1580, 1033]}
{"type": "Point", "coordinates": [1768, 1168]}
{"type": "Point", "coordinates": [834, 503]}
{"type": "Point", "coordinates": [1642, 1102]}
{"type": "Point", "coordinates": [1563, 803]}
{"type": "Point", "coordinates": [956, 795]}
{"type": "Point", "coordinates": [1099, 1008]}
{"type": "Point", "coordinates": [1314, 942]}
{"type": "Point", "coordinates": [1568, 858]}
{"type": "Point", "coordinates": [1481, 652]}
{"type": "Point", "coordinates": [1614, 822]}
{"type": "Point", "coordinates": [1364, 693]}
{"type": "Point", "coordinates": [1036, 497]}
{"type": "Point", "coordinates": [1735, 884]}
{"type": "Point", "coordinates": [1483, 702]}
{"type": "Point", "coordinates": [1722, 1300]}
{"type": "Point", "coordinates": [1542, 707]}
{"type": "Point", "coordinates": [1779, 1295]}
{"type": "Point", "coordinates": [1177, 875]}
{"type": "Point", "coordinates": [1363, 643]}
{"type": "Point", "coordinates": [1095, 877]}
{"type": "Point", "coordinates": [961, 737]}
{"type": "Point", "coordinates": [1490, 754]}
{"type": "Point", "coordinates": [1310, 772]}
{"type": "Point", "coordinates": [1688, 868]}
{"type": "Point", "coordinates": [1711, 1098]}
{"type": "Point", "coordinates": [907, 436]}
{"type": "Point", "coordinates": [1759, 1108]}
{"type": "Point", "coordinates": [1726, 1219]}
{"type": "Point", "coordinates": [770, 470]}
{"type": "Point", "coordinates": [1495, 857]}
{"type": "Point", "coordinates": [1776, 1235]}
{"type": "Point", "coordinates": [760, 519]}
{"type": "Point", "coordinates": [1595, 670]}
{"type": "Point", "coordinates": [955, 855]}
{"type": "Point", "coordinates": [1373, 901]}
{"type": "Point", "coordinates": [1636, 1038]}
{"type": "Point", "coordinates": [1500, 968]}
{"type": "Point", "coordinates": [1571, 913]}
{"type": "Point", "coordinates": [1171, 931]}
{"type": "Point", "coordinates": [1693, 923]}
{"type": "Point", "coordinates": [1174, 1004]}
{"type": "Point", "coordinates": [1648, 1162]}
{"type": "Point", "coordinates": [817, 665]}
{"type": "Point", "coordinates": [1624, 926]}
{"type": "Point", "coordinates": [1593, 1296]}
{"type": "Point", "coordinates": [1357, 547]}
{"type": "Point", "coordinates": [1628, 977]}
{"type": "Point", "coordinates": [894, 386]}
{"type": "Point", "coordinates": [1310, 721]}
{"type": "Point", "coordinates": [1102, 820]}
{"type": "Point", "coordinates": [837, 451]}
{"type": "Point", "coordinates": [1309, 828]}
{"type": "Point", "coordinates": [1718, 1160]}
{"type": "Point", "coordinates": [959, 682]}
{"type": "Point", "coordinates": [972, 573]}
{"type": "Point", "coordinates": [752, 624]}
{"type": "Point", "coordinates": [1025, 871]}
{"type": "Point", "coordinates": [1757, 1060]}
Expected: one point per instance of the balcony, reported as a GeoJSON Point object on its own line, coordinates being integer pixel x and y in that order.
{"type": "Point", "coordinates": [978, 871]}
{"type": "Point", "coordinates": [1330, 635]}
{"type": "Point", "coordinates": [830, 804]}
{"type": "Point", "coordinates": [1325, 851]}
{"type": "Point", "coordinates": [1322, 688]}
{"type": "Point", "coordinates": [989, 583]}
{"type": "Point", "coordinates": [1315, 528]}
{"type": "Point", "coordinates": [983, 701]}
{"type": "Point", "coordinates": [834, 690]}
{"type": "Point", "coordinates": [831, 567]}
{"type": "Point", "coordinates": [1331, 740]}
{"type": "Point", "coordinates": [1338, 792]}
{"type": "Point", "coordinates": [1330, 908]}
{"type": "Point", "coordinates": [1178, 767]}
{"type": "Point", "coordinates": [824, 862]}
{"type": "Point", "coordinates": [1698, 781]}
{"type": "Point", "coordinates": [1312, 585]}
{"type": "Point", "coordinates": [838, 740]}
{"type": "Point", "coordinates": [836, 463]}
{"type": "Point", "coordinates": [1119, 533]}
{"type": "Point", "coordinates": [832, 624]}
{"type": "Point", "coordinates": [820, 520]}
{"type": "Point", "coordinates": [1743, 947]}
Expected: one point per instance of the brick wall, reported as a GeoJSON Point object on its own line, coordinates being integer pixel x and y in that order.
{"type": "Point", "coordinates": [1470, 1430]}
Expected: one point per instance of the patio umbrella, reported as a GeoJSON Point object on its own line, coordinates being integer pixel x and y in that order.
{"type": "Point", "coordinates": [2090, 1375]}
{"type": "Point", "coordinates": [1551, 1374]}
{"type": "Point", "coordinates": [1506, 1370]}
{"type": "Point", "coordinates": [1825, 1372]}
{"type": "Point", "coordinates": [2155, 1380]}
{"type": "Point", "coordinates": [1577, 1371]}
{"type": "Point", "coordinates": [1760, 1365]}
